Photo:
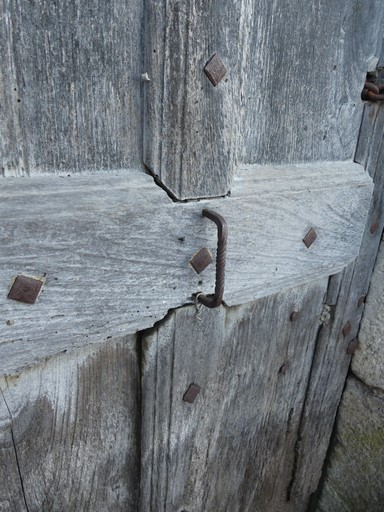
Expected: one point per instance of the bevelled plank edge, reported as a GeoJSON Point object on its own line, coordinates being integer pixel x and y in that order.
{"type": "Point", "coordinates": [116, 254]}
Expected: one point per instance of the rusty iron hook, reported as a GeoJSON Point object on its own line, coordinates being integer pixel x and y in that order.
{"type": "Point", "coordinates": [213, 301]}
{"type": "Point", "coordinates": [372, 92]}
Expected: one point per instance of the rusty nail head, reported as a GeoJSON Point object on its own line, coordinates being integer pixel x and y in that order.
{"type": "Point", "coordinates": [309, 238]}
{"type": "Point", "coordinates": [25, 289]}
{"type": "Point", "coordinates": [215, 69]}
{"type": "Point", "coordinates": [361, 300]}
{"type": "Point", "coordinates": [191, 393]}
{"type": "Point", "coordinates": [374, 226]}
{"type": "Point", "coordinates": [352, 346]}
{"type": "Point", "coordinates": [294, 315]}
{"type": "Point", "coordinates": [347, 328]}
{"type": "Point", "coordinates": [201, 260]}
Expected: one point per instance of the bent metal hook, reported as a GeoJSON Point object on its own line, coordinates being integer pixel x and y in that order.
{"type": "Point", "coordinates": [213, 301]}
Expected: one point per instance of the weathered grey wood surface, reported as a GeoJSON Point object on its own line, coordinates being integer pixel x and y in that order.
{"type": "Point", "coordinates": [69, 432]}
{"type": "Point", "coordinates": [70, 85]}
{"type": "Point", "coordinates": [291, 94]}
{"type": "Point", "coordinates": [190, 126]}
{"type": "Point", "coordinates": [233, 449]}
{"type": "Point", "coordinates": [115, 251]}
{"type": "Point", "coordinates": [331, 361]}
{"type": "Point", "coordinates": [370, 153]}
{"type": "Point", "coordinates": [354, 474]}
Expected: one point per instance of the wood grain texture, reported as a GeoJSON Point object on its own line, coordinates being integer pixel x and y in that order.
{"type": "Point", "coordinates": [74, 423]}
{"type": "Point", "coordinates": [291, 93]}
{"type": "Point", "coordinates": [70, 86]}
{"type": "Point", "coordinates": [115, 250]}
{"type": "Point", "coordinates": [305, 64]}
{"type": "Point", "coordinates": [331, 362]}
{"type": "Point", "coordinates": [190, 125]}
{"type": "Point", "coordinates": [11, 489]}
{"type": "Point", "coordinates": [354, 284]}
{"type": "Point", "coordinates": [233, 448]}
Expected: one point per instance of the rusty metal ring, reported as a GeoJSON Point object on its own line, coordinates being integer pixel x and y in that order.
{"type": "Point", "coordinates": [371, 92]}
{"type": "Point", "coordinates": [213, 301]}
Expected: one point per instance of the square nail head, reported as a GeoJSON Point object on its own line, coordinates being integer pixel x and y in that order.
{"type": "Point", "coordinates": [201, 260]}
{"type": "Point", "coordinates": [309, 238]}
{"type": "Point", "coordinates": [191, 394]}
{"type": "Point", "coordinates": [215, 69]}
{"type": "Point", "coordinates": [25, 289]}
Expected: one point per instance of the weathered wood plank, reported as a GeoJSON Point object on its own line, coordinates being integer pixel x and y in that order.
{"type": "Point", "coordinates": [75, 432]}
{"type": "Point", "coordinates": [11, 488]}
{"type": "Point", "coordinates": [331, 361]}
{"type": "Point", "coordinates": [70, 86]}
{"type": "Point", "coordinates": [305, 64]}
{"type": "Point", "coordinates": [233, 448]}
{"type": "Point", "coordinates": [272, 107]}
{"type": "Point", "coordinates": [115, 250]}
{"type": "Point", "coordinates": [190, 134]}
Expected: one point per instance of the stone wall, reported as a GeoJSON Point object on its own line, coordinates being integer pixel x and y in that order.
{"type": "Point", "coordinates": [354, 476]}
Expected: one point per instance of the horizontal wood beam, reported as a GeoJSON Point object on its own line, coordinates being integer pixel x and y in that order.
{"type": "Point", "coordinates": [114, 250]}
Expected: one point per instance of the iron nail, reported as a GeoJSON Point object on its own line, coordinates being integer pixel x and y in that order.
{"type": "Point", "coordinates": [309, 238]}
{"type": "Point", "coordinates": [347, 328]}
{"type": "Point", "coordinates": [361, 300]}
{"type": "Point", "coordinates": [374, 226]}
{"type": "Point", "coordinates": [25, 289]}
{"type": "Point", "coordinates": [215, 69]}
{"type": "Point", "coordinates": [191, 393]}
{"type": "Point", "coordinates": [352, 346]}
{"type": "Point", "coordinates": [201, 260]}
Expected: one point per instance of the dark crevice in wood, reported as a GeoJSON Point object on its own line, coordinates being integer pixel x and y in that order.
{"type": "Point", "coordinates": [315, 496]}
{"type": "Point", "coordinates": [15, 450]}
{"type": "Point", "coordinates": [175, 199]}
{"type": "Point", "coordinates": [301, 421]}
{"type": "Point", "coordinates": [139, 353]}
{"type": "Point", "coordinates": [370, 159]}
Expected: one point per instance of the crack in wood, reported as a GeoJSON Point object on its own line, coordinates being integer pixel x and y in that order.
{"type": "Point", "coordinates": [15, 449]}
{"type": "Point", "coordinates": [299, 432]}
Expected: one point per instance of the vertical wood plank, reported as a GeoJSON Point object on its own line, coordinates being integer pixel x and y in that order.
{"type": "Point", "coordinates": [292, 92]}
{"type": "Point", "coordinates": [70, 86]}
{"type": "Point", "coordinates": [233, 448]}
{"type": "Point", "coordinates": [305, 67]}
{"type": "Point", "coordinates": [331, 361]}
{"type": "Point", "coordinates": [190, 125]}
{"type": "Point", "coordinates": [11, 487]}
{"type": "Point", "coordinates": [75, 432]}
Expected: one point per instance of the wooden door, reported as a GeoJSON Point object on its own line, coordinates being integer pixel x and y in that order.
{"type": "Point", "coordinates": [98, 99]}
